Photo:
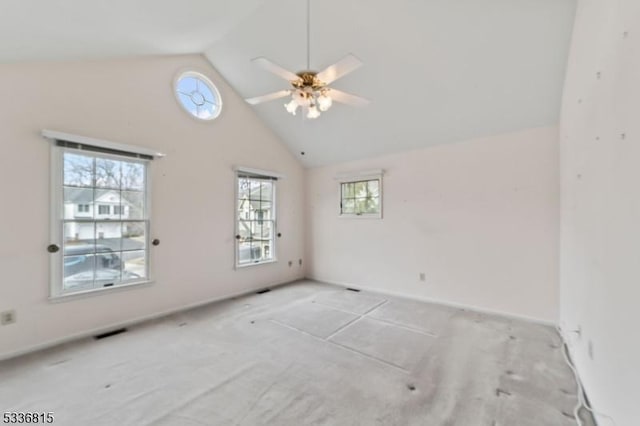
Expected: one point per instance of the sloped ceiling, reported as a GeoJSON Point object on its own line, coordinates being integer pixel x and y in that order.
{"type": "Point", "coordinates": [437, 71]}
{"type": "Point", "coordinates": [40, 30]}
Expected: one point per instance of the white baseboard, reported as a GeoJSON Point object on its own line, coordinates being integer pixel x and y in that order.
{"type": "Point", "coordinates": [438, 301]}
{"type": "Point", "coordinates": [134, 321]}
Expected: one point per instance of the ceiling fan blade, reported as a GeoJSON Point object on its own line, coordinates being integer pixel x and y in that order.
{"type": "Point", "coordinates": [338, 70]}
{"type": "Point", "coordinates": [348, 98]}
{"type": "Point", "coordinates": [276, 69]}
{"type": "Point", "coordinates": [270, 97]}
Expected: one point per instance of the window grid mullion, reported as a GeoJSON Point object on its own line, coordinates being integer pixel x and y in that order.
{"type": "Point", "coordinates": [111, 257]}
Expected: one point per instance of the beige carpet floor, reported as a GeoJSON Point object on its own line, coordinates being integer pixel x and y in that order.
{"type": "Point", "coordinates": [304, 354]}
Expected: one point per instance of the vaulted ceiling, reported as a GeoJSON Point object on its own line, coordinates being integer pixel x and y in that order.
{"type": "Point", "coordinates": [37, 30]}
{"type": "Point", "coordinates": [437, 71]}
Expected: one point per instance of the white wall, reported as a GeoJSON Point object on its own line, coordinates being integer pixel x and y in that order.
{"type": "Point", "coordinates": [480, 218]}
{"type": "Point", "coordinates": [600, 233]}
{"type": "Point", "coordinates": [131, 101]}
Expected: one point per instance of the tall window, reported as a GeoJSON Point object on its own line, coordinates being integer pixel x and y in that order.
{"type": "Point", "coordinates": [108, 244]}
{"type": "Point", "coordinates": [361, 198]}
{"type": "Point", "coordinates": [255, 219]}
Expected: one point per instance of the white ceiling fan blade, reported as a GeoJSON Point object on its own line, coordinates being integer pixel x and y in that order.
{"type": "Point", "coordinates": [338, 70]}
{"type": "Point", "coordinates": [270, 97]}
{"type": "Point", "coordinates": [276, 69]}
{"type": "Point", "coordinates": [348, 98]}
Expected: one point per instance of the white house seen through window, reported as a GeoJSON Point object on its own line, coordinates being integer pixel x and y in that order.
{"type": "Point", "coordinates": [256, 220]}
{"type": "Point", "coordinates": [104, 221]}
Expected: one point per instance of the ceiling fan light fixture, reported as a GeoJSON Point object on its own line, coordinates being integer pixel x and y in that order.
{"type": "Point", "coordinates": [313, 112]}
{"type": "Point", "coordinates": [324, 102]}
{"type": "Point", "coordinates": [310, 89]}
{"type": "Point", "coordinates": [292, 106]}
{"type": "Point", "coordinates": [302, 98]}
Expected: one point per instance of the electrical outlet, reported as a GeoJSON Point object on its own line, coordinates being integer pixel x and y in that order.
{"type": "Point", "coordinates": [290, 263]}
{"type": "Point", "coordinates": [590, 349]}
{"type": "Point", "coordinates": [299, 262]}
{"type": "Point", "coordinates": [7, 317]}
{"type": "Point", "coordinates": [423, 276]}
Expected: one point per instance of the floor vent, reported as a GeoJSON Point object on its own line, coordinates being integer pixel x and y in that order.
{"type": "Point", "coordinates": [353, 289]}
{"type": "Point", "coordinates": [110, 333]}
{"type": "Point", "coordinates": [266, 290]}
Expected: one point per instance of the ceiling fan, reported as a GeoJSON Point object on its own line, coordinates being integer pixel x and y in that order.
{"type": "Point", "coordinates": [310, 90]}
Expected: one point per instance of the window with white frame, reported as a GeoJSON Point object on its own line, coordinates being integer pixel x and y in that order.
{"type": "Point", "coordinates": [108, 244]}
{"type": "Point", "coordinates": [255, 218]}
{"type": "Point", "coordinates": [361, 196]}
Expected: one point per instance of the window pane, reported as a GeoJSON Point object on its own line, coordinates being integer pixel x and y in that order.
{"type": "Point", "coordinates": [132, 205]}
{"type": "Point", "coordinates": [373, 188]}
{"type": "Point", "coordinates": [78, 272]}
{"type": "Point", "coordinates": [244, 229]}
{"type": "Point", "coordinates": [264, 248]}
{"type": "Point", "coordinates": [78, 203]}
{"type": "Point", "coordinates": [109, 234]}
{"type": "Point", "coordinates": [244, 209]}
{"type": "Point", "coordinates": [360, 189]}
{"type": "Point", "coordinates": [79, 238]}
{"type": "Point", "coordinates": [361, 205]}
{"type": "Point", "coordinates": [133, 176]}
{"type": "Point", "coordinates": [254, 189]}
{"type": "Point", "coordinates": [243, 188]}
{"type": "Point", "coordinates": [108, 173]}
{"type": "Point", "coordinates": [78, 170]}
{"type": "Point", "coordinates": [255, 230]}
{"type": "Point", "coordinates": [348, 190]}
{"type": "Point", "coordinates": [266, 190]}
{"type": "Point", "coordinates": [108, 266]}
{"type": "Point", "coordinates": [106, 200]}
{"type": "Point", "coordinates": [107, 277]}
{"type": "Point", "coordinates": [265, 212]}
{"type": "Point", "coordinates": [134, 265]}
{"type": "Point", "coordinates": [133, 235]}
{"type": "Point", "coordinates": [371, 205]}
{"type": "Point", "coordinates": [267, 230]}
{"type": "Point", "coordinates": [349, 206]}
{"type": "Point", "coordinates": [247, 253]}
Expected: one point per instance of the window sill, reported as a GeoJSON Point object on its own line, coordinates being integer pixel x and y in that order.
{"type": "Point", "coordinates": [64, 297]}
{"type": "Point", "coordinates": [246, 265]}
{"type": "Point", "coordinates": [360, 216]}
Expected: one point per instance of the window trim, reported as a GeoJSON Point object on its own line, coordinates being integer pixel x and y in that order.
{"type": "Point", "coordinates": [360, 177]}
{"type": "Point", "coordinates": [56, 202]}
{"type": "Point", "coordinates": [55, 136]}
{"type": "Point", "coordinates": [264, 174]}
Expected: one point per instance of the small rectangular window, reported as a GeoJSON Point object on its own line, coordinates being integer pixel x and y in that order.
{"type": "Point", "coordinates": [104, 210]}
{"type": "Point", "coordinates": [255, 219]}
{"type": "Point", "coordinates": [361, 198]}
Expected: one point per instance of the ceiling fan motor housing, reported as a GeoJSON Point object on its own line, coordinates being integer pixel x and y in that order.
{"type": "Point", "coordinates": [308, 79]}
